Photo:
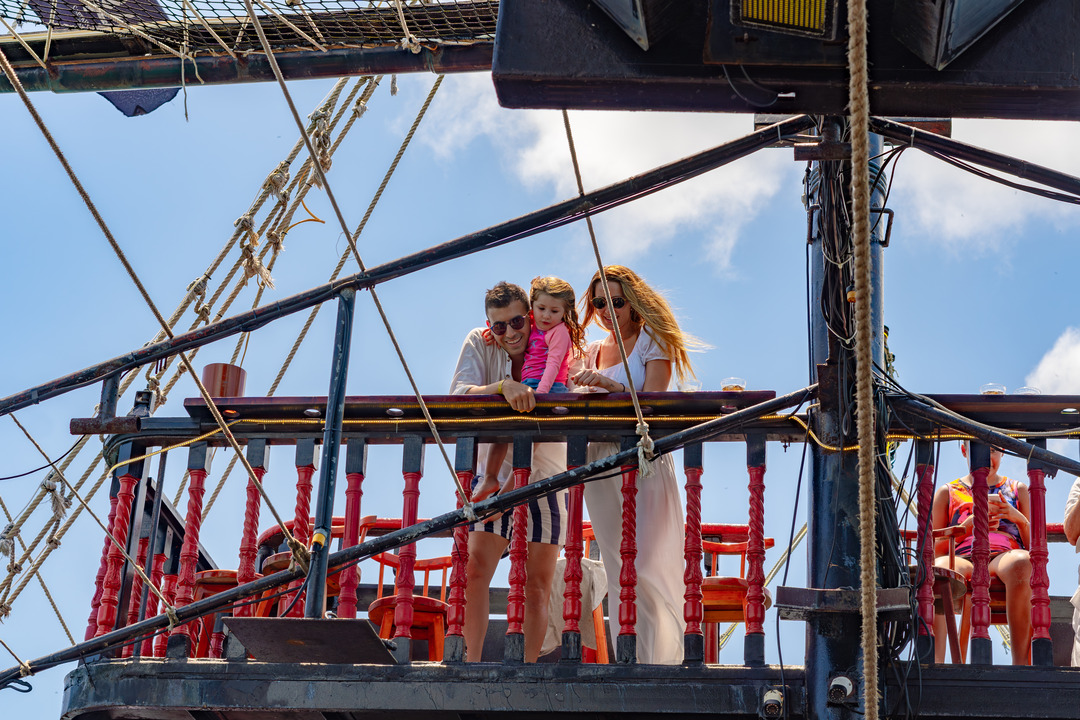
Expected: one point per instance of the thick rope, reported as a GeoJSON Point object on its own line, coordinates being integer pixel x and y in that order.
{"type": "Point", "coordinates": [296, 547]}
{"type": "Point", "coordinates": [864, 380]}
{"type": "Point", "coordinates": [24, 667]}
{"type": "Point", "coordinates": [409, 41]}
{"type": "Point", "coordinates": [645, 443]}
{"type": "Point", "coordinates": [352, 246]}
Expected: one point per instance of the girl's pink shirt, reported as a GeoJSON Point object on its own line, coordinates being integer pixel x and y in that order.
{"type": "Point", "coordinates": [556, 365]}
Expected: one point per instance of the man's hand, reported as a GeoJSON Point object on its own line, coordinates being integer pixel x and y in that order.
{"type": "Point", "coordinates": [520, 397]}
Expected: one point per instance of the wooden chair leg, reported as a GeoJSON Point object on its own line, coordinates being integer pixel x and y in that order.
{"type": "Point", "coordinates": [711, 636]}
{"type": "Point", "coordinates": [945, 591]}
{"type": "Point", "coordinates": [600, 629]}
{"type": "Point", "coordinates": [438, 635]}
{"type": "Point", "coordinates": [965, 629]}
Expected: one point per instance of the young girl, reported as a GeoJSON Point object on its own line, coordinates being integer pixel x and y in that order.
{"type": "Point", "coordinates": [556, 337]}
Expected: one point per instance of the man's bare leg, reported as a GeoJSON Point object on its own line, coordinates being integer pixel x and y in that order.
{"type": "Point", "coordinates": [540, 568]}
{"type": "Point", "coordinates": [485, 549]}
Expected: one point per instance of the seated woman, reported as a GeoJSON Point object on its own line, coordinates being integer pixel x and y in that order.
{"type": "Point", "coordinates": [1010, 512]}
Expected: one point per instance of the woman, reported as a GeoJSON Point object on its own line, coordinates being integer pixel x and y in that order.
{"type": "Point", "coordinates": [1010, 535]}
{"type": "Point", "coordinates": [654, 347]}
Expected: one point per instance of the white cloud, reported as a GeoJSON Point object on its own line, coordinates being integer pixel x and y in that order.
{"type": "Point", "coordinates": [1058, 373]}
{"type": "Point", "coordinates": [971, 213]}
{"type": "Point", "coordinates": [612, 146]}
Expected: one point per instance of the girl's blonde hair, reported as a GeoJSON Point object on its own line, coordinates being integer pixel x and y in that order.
{"type": "Point", "coordinates": [648, 308]}
{"type": "Point", "coordinates": [561, 290]}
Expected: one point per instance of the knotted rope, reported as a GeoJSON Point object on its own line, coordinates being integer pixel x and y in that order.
{"type": "Point", "coordinates": [409, 41]}
{"type": "Point", "coordinates": [645, 450]}
{"type": "Point", "coordinates": [864, 381]}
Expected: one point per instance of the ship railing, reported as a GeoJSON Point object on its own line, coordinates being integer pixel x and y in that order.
{"type": "Point", "coordinates": [186, 575]}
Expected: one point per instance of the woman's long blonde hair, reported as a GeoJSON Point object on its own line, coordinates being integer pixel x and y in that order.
{"type": "Point", "coordinates": [562, 290]}
{"type": "Point", "coordinates": [648, 308]}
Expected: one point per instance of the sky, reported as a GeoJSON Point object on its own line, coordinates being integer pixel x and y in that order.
{"type": "Point", "coordinates": [977, 281]}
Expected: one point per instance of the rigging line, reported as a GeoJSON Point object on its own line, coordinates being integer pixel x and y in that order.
{"type": "Point", "coordinates": [352, 245]}
{"type": "Point", "coordinates": [5, 65]}
{"type": "Point", "coordinates": [645, 443]}
{"type": "Point", "coordinates": [5, 605]}
{"type": "Point", "coordinates": [292, 27]}
{"type": "Point", "coordinates": [206, 26]}
{"type": "Point", "coordinates": [134, 564]}
{"type": "Point", "coordinates": [27, 48]}
{"type": "Point", "coordinates": [864, 381]}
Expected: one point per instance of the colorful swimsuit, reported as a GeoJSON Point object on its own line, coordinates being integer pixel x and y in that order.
{"type": "Point", "coordinates": [1007, 535]}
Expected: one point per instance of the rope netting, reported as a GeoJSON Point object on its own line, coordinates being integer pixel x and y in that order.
{"type": "Point", "coordinates": [223, 26]}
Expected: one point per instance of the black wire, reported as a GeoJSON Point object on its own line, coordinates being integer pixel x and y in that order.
{"type": "Point", "coordinates": [1049, 194]}
{"type": "Point", "coordinates": [46, 465]}
{"type": "Point", "coordinates": [787, 565]}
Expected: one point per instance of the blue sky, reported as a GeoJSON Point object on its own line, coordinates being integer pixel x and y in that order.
{"type": "Point", "coordinates": [976, 278]}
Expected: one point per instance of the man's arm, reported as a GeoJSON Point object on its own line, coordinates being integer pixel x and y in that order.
{"type": "Point", "coordinates": [481, 371]}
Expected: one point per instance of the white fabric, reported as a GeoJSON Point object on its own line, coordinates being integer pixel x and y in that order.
{"type": "Point", "coordinates": [661, 532]}
{"type": "Point", "coordinates": [1074, 497]}
{"type": "Point", "coordinates": [593, 590]}
{"type": "Point", "coordinates": [482, 364]}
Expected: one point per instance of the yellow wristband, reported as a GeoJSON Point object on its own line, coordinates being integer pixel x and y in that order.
{"type": "Point", "coordinates": [498, 390]}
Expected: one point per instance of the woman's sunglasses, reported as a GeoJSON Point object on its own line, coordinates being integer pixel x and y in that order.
{"type": "Point", "coordinates": [499, 328]}
{"type": "Point", "coordinates": [616, 302]}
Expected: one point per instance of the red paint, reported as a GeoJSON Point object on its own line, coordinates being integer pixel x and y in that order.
{"type": "Point", "coordinates": [95, 603]}
{"type": "Point", "coordinates": [405, 583]}
{"type": "Point", "coordinates": [249, 549]}
{"type": "Point", "coordinates": [980, 555]}
{"type": "Point", "coordinates": [168, 591]}
{"type": "Point", "coordinates": [110, 586]}
{"type": "Point", "coordinates": [455, 616]}
{"type": "Point", "coordinates": [189, 552]}
{"type": "Point", "coordinates": [1040, 581]}
{"type": "Point", "coordinates": [156, 570]}
{"type": "Point", "coordinates": [350, 576]}
{"type": "Point", "coordinates": [693, 610]}
{"type": "Point", "coordinates": [301, 531]}
{"type": "Point", "coordinates": [136, 592]}
{"type": "Point", "coordinates": [925, 592]}
{"type": "Point", "coordinates": [628, 553]}
{"type": "Point", "coordinates": [755, 554]}
{"type": "Point", "coordinates": [519, 553]}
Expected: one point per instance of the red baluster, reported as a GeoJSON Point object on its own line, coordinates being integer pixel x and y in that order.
{"type": "Point", "coordinates": [189, 551]}
{"type": "Point", "coordinates": [95, 603]}
{"type": "Point", "coordinates": [412, 471]}
{"type": "Point", "coordinates": [217, 637]}
{"type": "Point", "coordinates": [355, 459]}
{"type": "Point", "coordinates": [519, 554]}
{"type": "Point", "coordinates": [110, 594]}
{"type": "Point", "coordinates": [980, 556]}
{"type": "Point", "coordinates": [628, 574]}
{"type": "Point", "coordinates": [168, 591]}
{"type": "Point", "coordinates": [305, 470]}
{"type": "Point", "coordinates": [925, 544]}
{"type": "Point", "coordinates": [574, 551]}
{"type": "Point", "coordinates": [1040, 581]}
{"type": "Point", "coordinates": [156, 572]}
{"type": "Point", "coordinates": [693, 610]}
{"type": "Point", "coordinates": [249, 550]}
{"type": "Point", "coordinates": [455, 616]}
{"type": "Point", "coordinates": [136, 592]}
{"type": "Point", "coordinates": [755, 554]}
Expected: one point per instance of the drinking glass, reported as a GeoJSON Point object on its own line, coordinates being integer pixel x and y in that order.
{"type": "Point", "coordinates": [733, 384]}
{"type": "Point", "coordinates": [992, 389]}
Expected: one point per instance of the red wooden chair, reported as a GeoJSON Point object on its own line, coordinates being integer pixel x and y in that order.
{"type": "Point", "coordinates": [724, 598]}
{"type": "Point", "coordinates": [429, 613]}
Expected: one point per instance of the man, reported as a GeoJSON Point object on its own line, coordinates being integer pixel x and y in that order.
{"type": "Point", "coordinates": [1072, 533]}
{"type": "Point", "coordinates": [489, 364]}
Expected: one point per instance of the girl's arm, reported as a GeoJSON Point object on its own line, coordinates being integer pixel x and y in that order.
{"type": "Point", "coordinates": [558, 342]}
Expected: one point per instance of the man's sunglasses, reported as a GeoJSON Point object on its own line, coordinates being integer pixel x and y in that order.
{"type": "Point", "coordinates": [616, 302]}
{"type": "Point", "coordinates": [499, 328]}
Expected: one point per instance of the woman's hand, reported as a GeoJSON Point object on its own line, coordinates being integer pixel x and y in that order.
{"type": "Point", "coordinates": [592, 378]}
{"type": "Point", "coordinates": [520, 397]}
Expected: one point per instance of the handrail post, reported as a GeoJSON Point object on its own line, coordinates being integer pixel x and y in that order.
{"type": "Point", "coordinates": [754, 642]}
{"type": "Point", "coordinates": [315, 603]}
{"type": "Point", "coordinates": [981, 648]}
{"type": "Point", "coordinates": [355, 470]}
{"type": "Point", "coordinates": [626, 642]}
{"type": "Point", "coordinates": [693, 609]}
{"type": "Point", "coordinates": [577, 450]}
{"type": "Point", "coordinates": [198, 468]}
{"type": "Point", "coordinates": [924, 471]}
{"type": "Point", "coordinates": [412, 469]}
{"type": "Point", "coordinates": [258, 455]}
{"type": "Point", "coordinates": [514, 648]}
{"type": "Point", "coordinates": [111, 582]}
{"type": "Point", "coordinates": [305, 470]}
{"type": "Point", "coordinates": [1042, 646]}
{"type": "Point", "coordinates": [465, 466]}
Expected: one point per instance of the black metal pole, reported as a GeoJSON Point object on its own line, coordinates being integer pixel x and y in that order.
{"type": "Point", "coordinates": [315, 604]}
{"type": "Point", "coordinates": [832, 640]}
{"type": "Point", "coordinates": [548, 218]}
{"type": "Point", "coordinates": [931, 143]}
{"type": "Point", "coordinates": [155, 517]}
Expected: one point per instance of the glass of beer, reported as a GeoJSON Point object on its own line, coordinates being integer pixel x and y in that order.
{"type": "Point", "coordinates": [992, 389]}
{"type": "Point", "coordinates": [733, 384]}
{"type": "Point", "coordinates": [690, 385]}
{"type": "Point", "coordinates": [1028, 390]}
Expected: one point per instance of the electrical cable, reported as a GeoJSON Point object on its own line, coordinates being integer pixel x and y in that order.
{"type": "Point", "coordinates": [45, 466]}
